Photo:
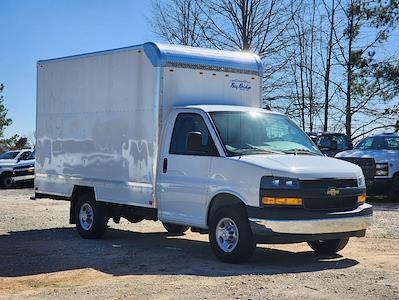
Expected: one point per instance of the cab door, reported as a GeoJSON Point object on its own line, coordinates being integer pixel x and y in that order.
{"type": "Point", "coordinates": [184, 172]}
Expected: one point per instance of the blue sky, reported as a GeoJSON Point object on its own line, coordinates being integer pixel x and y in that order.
{"type": "Point", "coordinates": [39, 29]}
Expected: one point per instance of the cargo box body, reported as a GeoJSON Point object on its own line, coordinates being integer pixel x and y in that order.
{"type": "Point", "coordinates": [100, 115]}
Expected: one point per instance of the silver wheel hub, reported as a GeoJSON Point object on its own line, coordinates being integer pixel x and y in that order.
{"type": "Point", "coordinates": [227, 234]}
{"type": "Point", "coordinates": [86, 216]}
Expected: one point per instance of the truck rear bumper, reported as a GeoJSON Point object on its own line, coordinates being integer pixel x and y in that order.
{"type": "Point", "coordinates": [309, 223]}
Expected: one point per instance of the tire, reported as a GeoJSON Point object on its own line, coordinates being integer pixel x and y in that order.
{"type": "Point", "coordinates": [394, 192]}
{"type": "Point", "coordinates": [328, 246]}
{"type": "Point", "coordinates": [230, 235]}
{"type": "Point", "coordinates": [7, 181]}
{"type": "Point", "coordinates": [175, 228]}
{"type": "Point", "coordinates": [91, 217]}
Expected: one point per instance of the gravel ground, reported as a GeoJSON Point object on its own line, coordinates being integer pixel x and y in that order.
{"type": "Point", "coordinates": [41, 256]}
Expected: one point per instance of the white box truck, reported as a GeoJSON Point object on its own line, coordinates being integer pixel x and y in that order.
{"type": "Point", "coordinates": [177, 134]}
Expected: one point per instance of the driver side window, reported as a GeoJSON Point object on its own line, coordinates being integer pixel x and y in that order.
{"type": "Point", "coordinates": [187, 123]}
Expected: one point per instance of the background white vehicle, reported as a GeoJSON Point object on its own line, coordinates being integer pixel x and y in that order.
{"type": "Point", "coordinates": [7, 163]}
{"type": "Point", "coordinates": [378, 156]}
{"type": "Point", "coordinates": [24, 171]}
{"type": "Point", "coordinates": [177, 134]}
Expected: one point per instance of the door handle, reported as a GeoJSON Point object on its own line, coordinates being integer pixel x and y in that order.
{"type": "Point", "coordinates": [165, 165]}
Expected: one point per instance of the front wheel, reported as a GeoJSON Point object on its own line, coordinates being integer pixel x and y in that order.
{"type": "Point", "coordinates": [230, 235]}
{"type": "Point", "coordinates": [7, 181]}
{"type": "Point", "coordinates": [175, 228]}
{"type": "Point", "coordinates": [91, 217]}
{"type": "Point", "coordinates": [328, 246]}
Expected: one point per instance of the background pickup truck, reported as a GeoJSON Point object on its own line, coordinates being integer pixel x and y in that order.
{"type": "Point", "coordinates": [378, 156]}
{"type": "Point", "coordinates": [331, 143]}
{"type": "Point", "coordinates": [8, 160]}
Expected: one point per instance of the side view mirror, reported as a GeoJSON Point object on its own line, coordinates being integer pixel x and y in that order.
{"type": "Point", "coordinates": [194, 141]}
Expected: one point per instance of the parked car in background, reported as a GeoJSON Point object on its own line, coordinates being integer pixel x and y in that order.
{"type": "Point", "coordinates": [378, 156]}
{"type": "Point", "coordinates": [24, 171]}
{"type": "Point", "coordinates": [331, 143]}
{"type": "Point", "coordinates": [7, 162]}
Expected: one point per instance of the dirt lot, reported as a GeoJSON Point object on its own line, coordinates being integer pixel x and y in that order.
{"type": "Point", "coordinates": [41, 256]}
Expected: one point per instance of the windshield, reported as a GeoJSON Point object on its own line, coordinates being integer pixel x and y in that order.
{"type": "Point", "coordinates": [31, 156]}
{"type": "Point", "coordinates": [9, 155]}
{"type": "Point", "coordinates": [326, 141]}
{"type": "Point", "coordinates": [256, 132]}
{"type": "Point", "coordinates": [379, 143]}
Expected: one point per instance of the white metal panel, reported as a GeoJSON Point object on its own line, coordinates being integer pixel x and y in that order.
{"type": "Point", "coordinates": [97, 123]}
{"type": "Point", "coordinates": [192, 86]}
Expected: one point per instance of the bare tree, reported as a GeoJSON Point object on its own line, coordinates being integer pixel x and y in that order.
{"type": "Point", "coordinates": [331, 18]}
{"type": "Point", "coordinates": [178, 21]}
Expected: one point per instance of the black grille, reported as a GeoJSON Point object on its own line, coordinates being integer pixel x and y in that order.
{"type": "Point", "coordinates": [24, 167]}
{"type": "Point", "coordinates": [366, 164]}
{"type": "Point", "coordinates": [328, 183]}
{"type": "Point", "coordinates": [333, 203]}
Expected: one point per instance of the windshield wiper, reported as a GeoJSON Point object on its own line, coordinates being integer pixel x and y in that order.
{"type": "Point", "coordinates": [300, 151]}
{"type": "Point", "coordinates": [256, 149]}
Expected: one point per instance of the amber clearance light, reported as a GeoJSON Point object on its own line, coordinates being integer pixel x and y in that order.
{"type": "Point", "coordinates": [361, 199]}
{"type": "Point", "coordinates": [281, 201]}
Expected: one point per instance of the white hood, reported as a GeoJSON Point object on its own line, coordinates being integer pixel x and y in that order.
{"type": "Point", "coordinates": [7, 162]}
{"type": "Point", "coordinates": [25, 162]}
{"type": "Point", "coordinates": [378, 155]}
{"type": "Point", "coordinates": [304, 166]}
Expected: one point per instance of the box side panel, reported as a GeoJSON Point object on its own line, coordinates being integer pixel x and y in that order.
{"type": "Point", "coordinates": [194, 86]}
{"type": "Point", "coordinates": [96, 126]}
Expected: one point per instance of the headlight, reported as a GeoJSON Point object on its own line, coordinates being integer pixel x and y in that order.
{"type": "Point", "coordinates": [381, 169]}
{"type": "Point", "coordinates": [271, 182]}
{"type": "Point", "coordinates": [361, 182]}
{"type": "Point", "coordinates": [280, 183]}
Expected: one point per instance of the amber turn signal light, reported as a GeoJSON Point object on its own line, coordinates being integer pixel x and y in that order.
{"type": "Point", "coordinates": [361, 199]}
{"type": "Point", "coordinates": [281, 201]}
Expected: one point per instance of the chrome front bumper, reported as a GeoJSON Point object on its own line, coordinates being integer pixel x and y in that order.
{"type": "Point", "coordinates": [339, 222]}
{"type": "Point", "coordinates": [23, 177]}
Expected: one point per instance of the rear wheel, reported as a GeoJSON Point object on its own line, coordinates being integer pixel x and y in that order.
{"type": "Point", "coordinates": [175, 228]}
{"type": "Point", "coordinates": [328, 246]}
{"type": "Point", "coordinates": [230, 235]}
{"type": "Point", "coordinates": [91, 217]}
{"type": "Point", "coordinates": [394, 193]}
{"type": "Point", "coordinates": [7, 181]}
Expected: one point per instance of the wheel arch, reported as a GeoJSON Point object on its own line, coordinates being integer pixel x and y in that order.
{"type": "Point", "coordinates": [222, 199]}
{"type": "Point", "coordinates": [6, 172]}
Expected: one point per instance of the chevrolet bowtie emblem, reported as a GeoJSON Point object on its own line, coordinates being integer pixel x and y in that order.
{"type": "Point", "coordinates": [332, 192]}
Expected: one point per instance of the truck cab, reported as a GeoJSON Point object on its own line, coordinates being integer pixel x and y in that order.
{"type": "Point", "coordinates": [230, 169]}
{"type": "Point", "coordinates": [24, 171]}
